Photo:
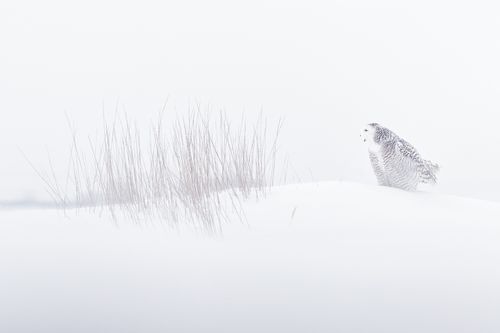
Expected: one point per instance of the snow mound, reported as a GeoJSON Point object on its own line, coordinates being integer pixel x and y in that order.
{"type": "Point", "coordinates": [327, 257]}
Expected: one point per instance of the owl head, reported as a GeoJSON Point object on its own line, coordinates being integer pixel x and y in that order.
{"type": "Point", "coordinates": [368, 133]}
{"type": "Point", "coordinates": [374, 135]}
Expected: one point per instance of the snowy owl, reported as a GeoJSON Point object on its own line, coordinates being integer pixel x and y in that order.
{"type": "Point", "coordinates": [395, 162]}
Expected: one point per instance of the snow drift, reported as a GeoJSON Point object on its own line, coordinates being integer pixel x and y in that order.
{"type": "Point", "coordinates": [326, 257]}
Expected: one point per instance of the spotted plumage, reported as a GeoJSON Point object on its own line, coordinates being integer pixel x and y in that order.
{"type": "Point", "coordinates": [395, 162]}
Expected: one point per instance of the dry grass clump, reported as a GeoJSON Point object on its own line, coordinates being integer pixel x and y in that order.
{"type": "Point", "coordinates": [199, 170]}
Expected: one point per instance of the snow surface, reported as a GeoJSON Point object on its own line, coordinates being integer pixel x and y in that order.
{"type": "Point", "coordinates": [324, 257]}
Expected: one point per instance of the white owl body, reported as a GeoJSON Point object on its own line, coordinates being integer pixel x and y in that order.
{"type": "Point", "coordinates": [375, 150]}
{"type": "Point", "coordinates": [374, 147]}
{"type": "Point", "coordinates": [395, 162]}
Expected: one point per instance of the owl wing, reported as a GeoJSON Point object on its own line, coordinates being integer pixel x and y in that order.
{"type": "Point", "coordinates": [427, 171]}
{"type": "Point", "coordinates": [401, 162]}
{"type": "Point", "coordinates": [408, 151]}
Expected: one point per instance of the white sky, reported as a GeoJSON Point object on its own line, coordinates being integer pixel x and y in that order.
{"type": "Point", "coordinates": [428, 69]}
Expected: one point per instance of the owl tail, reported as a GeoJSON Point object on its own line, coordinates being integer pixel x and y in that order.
{"type": "Point", "coordinates": [428, 172]}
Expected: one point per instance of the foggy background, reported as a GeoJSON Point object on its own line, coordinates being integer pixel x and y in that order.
{"type": "Point", "coordinates": [429, 70]}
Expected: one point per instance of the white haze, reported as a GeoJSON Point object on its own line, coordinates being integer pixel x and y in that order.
{"type": "Point", "coordinates": [427, 69]}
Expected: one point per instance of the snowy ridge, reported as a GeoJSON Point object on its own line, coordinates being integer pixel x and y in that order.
{"type": "Point", "coordinates": [365, 258]}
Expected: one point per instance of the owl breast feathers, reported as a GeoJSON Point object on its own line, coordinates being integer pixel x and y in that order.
{"type": "Point", "coordinates": [396, 163]}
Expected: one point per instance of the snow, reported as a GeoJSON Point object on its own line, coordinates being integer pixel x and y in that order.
{"type": "Point", "coordinates": [338, 255]}
{"type": "Point", "coordinates": [319, 257]}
